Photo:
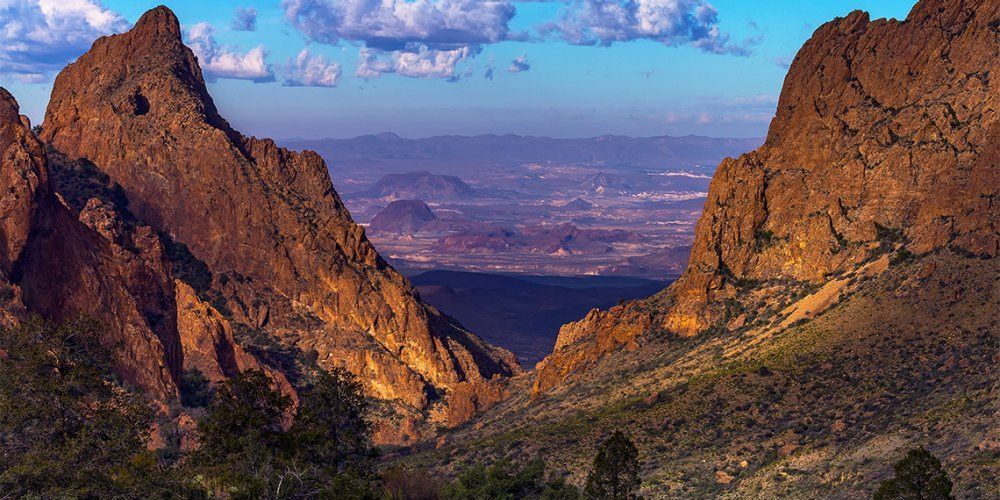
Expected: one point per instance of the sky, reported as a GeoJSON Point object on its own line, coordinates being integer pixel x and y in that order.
{"type": "Point", "coordinates": [343, 68]}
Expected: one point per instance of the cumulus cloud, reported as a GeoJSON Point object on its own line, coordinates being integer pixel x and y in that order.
{"type": "Point", "coordinates": [519, 64]}
{"type": "Point", "coordinates": [419, 38]}
{"type": "Point", "coordinates": [309, 70]}
{"type": "Point", "coordinates": [245, 19]}
{"type": "Point", "coordinates": [392, 25]}
{"type": "Point", "coordinates": [424, 63]}
{"type": "Point", "coordinates": [38, 37]}
{"type": "Point", "coordinates": [671, 22]}
{"type": "Point", "coordinates": [218, 61]}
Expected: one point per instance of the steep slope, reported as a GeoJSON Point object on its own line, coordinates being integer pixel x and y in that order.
{"type": "Point", "coordinates": [886, 139]}
{"type": "Point", "coordinates": [62, 267]}
{"type": "Point", "coordinates": [819, 409]}
{"type": "Point", "coordinates": [267, 234]}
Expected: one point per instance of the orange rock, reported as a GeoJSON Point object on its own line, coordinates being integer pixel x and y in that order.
{"type": "Point", "coordinates": [266, 221]}
{"type": "Point", "coordinates": [885, 131]}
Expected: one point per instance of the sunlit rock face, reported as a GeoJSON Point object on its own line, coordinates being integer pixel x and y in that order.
{"type": "Point", "coordinates": [886, 131]}
{"type": "Point", "coordinates": [280, 249]}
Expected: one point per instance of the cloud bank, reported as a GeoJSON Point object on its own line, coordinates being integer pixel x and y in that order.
{"type": "Point", "coordinates": [424, 63]}
{"type": "Point", "coordinates": [309, 70]}
{"type": "Point", "coordinates": [416, 38]}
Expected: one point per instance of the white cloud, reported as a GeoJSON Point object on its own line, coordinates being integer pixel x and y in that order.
{"type": "Point", "coordinates": [416, 38]}
{"type": "Point", "coordinates": [309, 70]}
{"type": "Point", "coordinates": [425, 63]}
{"type": "Point", "coordinates": [672, 22]}
{"type": "Point", "coordinates": [224, 62]}
{"type": "Point", "coordinates": [393, 25]}
{"type": "Point", "coordinates": [38, 37]}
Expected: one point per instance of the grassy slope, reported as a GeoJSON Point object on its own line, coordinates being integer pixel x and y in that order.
{"type": "Point", "coordinates": [909, 357]}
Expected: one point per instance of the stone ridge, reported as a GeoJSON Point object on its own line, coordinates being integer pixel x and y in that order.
{"type": "Point", "coordinates": [886, 134]}
{"type": "Point", "coordinates": [282, 249]}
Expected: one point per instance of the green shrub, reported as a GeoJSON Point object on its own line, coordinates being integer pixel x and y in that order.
{"type": "Point", "coordinates": [918, 475]}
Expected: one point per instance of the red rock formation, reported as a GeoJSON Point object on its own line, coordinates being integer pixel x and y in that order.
{"type": "Point", "coordinates": [265, 220]}
{"type": "Point", "coordinates": [885, 130]}
{"type": "Point", "coordinates": [96, 264]}
{"type": "Point", "coordinates": [65, 269]}
{"type": "Point", "coordinates": [209, 346]}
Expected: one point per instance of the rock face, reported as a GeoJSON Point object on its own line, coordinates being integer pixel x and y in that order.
{"type": "Point", "coordinates": [264, 223]}
{"type": "Point", "coordinates": [62, 267]}
{"type": "Point", "coordinates": [886, 134]}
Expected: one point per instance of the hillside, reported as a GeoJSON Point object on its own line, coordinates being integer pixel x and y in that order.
{"type": "Point", "coordinates": [840, 305]}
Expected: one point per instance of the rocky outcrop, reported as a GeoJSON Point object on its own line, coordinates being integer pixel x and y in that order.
{"type": "Point", "coordinates": [61, 267]}
{"type": "Point", "coordinates": [885, 136]}
{"type": "Point", "coordinates": [209, 346]}
{"type": "Point", "coordinates": [264, 223]}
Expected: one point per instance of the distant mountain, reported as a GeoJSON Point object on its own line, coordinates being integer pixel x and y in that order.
{"type": "Point", "coordinates": [402, 217]}
{"type": "Point", "coordinates": [559, 239]}
{"type": "Point", "coordinates": [389, 153]}
{"type": "Point", "coordinates": [578, 204]}
{"type": "Point", "coordinates": [661, 263]}
{"type": "Point", "coordinates": [603, 184]}
{"type": "Point", "coordinates": [418, 185]}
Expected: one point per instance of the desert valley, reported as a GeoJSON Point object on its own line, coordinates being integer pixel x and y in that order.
{"type": "Point", "coordinates": [190, 311]}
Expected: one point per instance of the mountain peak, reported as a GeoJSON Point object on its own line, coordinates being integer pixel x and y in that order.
{"type": "Point", "coordinates": [159, 21]}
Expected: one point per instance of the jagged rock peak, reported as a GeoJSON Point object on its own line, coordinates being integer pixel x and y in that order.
{"type": "Point", "coordinates": [159, 21]}
{"type": "Point", "coordinates": [9, 109]}
{"type": "Point", "coordinates": [264, 222]}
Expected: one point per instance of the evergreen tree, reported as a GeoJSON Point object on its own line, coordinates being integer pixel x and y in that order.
{"type": "Point", "coordinates": [615, 473]}
{"type": "Point", "coordinates": [918, 476]}
{"type": "Point", "coordinates": [249, 447]}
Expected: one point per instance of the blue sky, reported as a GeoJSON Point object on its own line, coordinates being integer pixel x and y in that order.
{"type": "Point", "coordinates": [563, 69]}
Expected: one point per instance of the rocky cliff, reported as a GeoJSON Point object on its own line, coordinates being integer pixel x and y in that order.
{"type": "Point", "coordinates": [885, 140]}
{"type": "Point", "coordinates": [255, 228]}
